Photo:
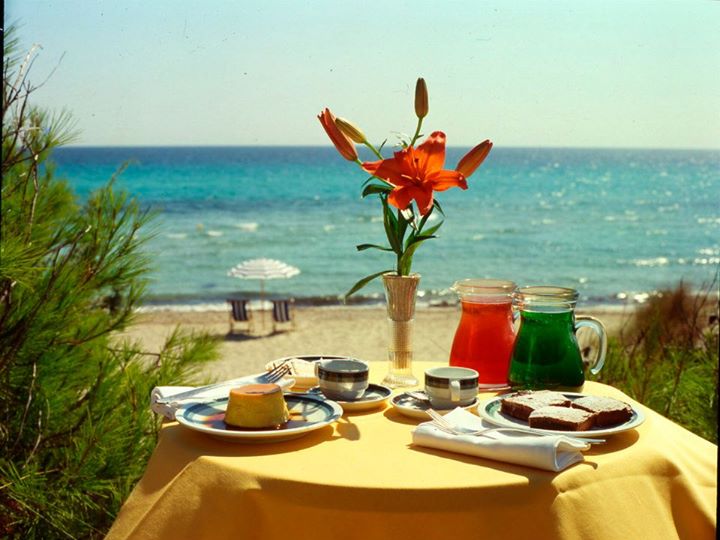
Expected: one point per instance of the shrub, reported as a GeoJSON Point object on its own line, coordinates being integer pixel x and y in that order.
{"type": "Point", "coordinates": [75, 428]}
{"type": "Point", "coordinates": [667, 358]}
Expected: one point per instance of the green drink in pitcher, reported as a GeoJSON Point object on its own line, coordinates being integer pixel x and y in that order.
{"type": "Point", "coordinates": [546, 353]}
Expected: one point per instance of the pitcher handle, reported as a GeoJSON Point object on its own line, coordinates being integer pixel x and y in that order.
{"type": "Point", "coordinates": [585, 321]}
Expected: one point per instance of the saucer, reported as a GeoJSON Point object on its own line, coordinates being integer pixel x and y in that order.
{"type": "Point", "coordinates": [374, 396]}
{"type": "Point", "coordinates": [415, 408]}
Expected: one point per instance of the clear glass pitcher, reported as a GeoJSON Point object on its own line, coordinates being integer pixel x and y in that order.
{"type": "Point", "coordinates": [546, 353]}
{"type": "Point", "coordinates": [485, 336]}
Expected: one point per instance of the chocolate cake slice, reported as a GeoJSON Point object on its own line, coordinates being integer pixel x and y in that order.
{"type": "Point", "coordinates": [521, 404]}
{"type": "Point", "coordinates": [561, 419]}
{"type": "Point", "coordinates": [608, 411]}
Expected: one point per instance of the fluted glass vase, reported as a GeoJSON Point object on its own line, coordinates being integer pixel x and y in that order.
{"type": "Point", "coordinates": [400, 293]}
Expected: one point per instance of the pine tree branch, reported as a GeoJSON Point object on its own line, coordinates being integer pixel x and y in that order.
{"type": "Point", "coordinates": [27, 405]}
{"type": "Point", "coordinates": [38, 438]}
{"type": "Point", "coordinates": [33, 205]}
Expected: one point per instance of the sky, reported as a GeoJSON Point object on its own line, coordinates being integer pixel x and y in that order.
{"type": "Point", "coordinates": [576, 73]}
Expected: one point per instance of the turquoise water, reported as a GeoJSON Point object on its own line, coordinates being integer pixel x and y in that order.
{"type": "Point", "coordinates": [614, 224]}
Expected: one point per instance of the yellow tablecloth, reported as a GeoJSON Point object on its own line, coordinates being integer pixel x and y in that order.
{"type": "Point", "coordinates": [361, 478]}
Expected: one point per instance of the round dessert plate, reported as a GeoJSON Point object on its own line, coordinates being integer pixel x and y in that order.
{"type": "Point", "coordinates": [374, 396]}
{"type": "Point", "coordinates": [415, 408]}
{"type": "Point", "coordinates": [490, 411]}
{"type": "Point", "coordinates": [307, 414]}
{"type": "Point", "coordinates": [302, 379]}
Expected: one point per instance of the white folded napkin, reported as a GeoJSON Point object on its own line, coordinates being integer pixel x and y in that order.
{"type": "Point", "coordinates": [550, 453]}
{"type": "Point", "coordinates": [168, 409]}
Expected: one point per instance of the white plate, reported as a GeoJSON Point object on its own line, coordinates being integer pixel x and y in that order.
{"type": "Point", "coordinates": [490, 411]}
{"type": "Point", "coordinates": [374, 396]}
{"type": "Point", "coordinates": [306, 414]}
{"type": "Point", "coordinates": [305, 380]}
{"type": "Point", "coordinates": [415, 408]}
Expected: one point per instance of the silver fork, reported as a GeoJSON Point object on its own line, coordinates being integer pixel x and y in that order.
{"type": "Point", "coordinates": [440, 422]}
{"type": "Point", "coordinates": [275, 374]}
{"type": "Point", "coordinates": [272, 376]}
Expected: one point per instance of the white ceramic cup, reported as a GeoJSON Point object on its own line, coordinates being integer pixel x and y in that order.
{"type": "Point", "coordinates": [342, 379]}
{"type": "Point", "coordinates": [449, 387]}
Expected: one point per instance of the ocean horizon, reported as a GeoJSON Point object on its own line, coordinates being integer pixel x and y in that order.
{"type": "Point", "coordinates": [615, 224]}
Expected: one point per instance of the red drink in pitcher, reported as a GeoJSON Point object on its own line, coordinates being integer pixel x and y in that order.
{"type": "Point", "coordinates": [485, 336]}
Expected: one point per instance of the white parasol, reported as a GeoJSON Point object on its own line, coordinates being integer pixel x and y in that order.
{"type": "Point", "coordinates": [263, 269]}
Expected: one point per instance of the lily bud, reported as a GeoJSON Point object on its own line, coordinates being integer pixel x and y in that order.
{"type": "Point", "coordinates": [421, 98]}
{"type": "Point", "coordinates": [350, 130]}
{"type": "Point", "coordinates": [342, 143]}
{"type": "Point", "coordinates": [474, 158]}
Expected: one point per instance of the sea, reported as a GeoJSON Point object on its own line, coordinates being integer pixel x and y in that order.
{"type": "Point", "coordinates": [618, 225]}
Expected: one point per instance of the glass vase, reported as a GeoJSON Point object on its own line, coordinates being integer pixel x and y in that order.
{"type": "Point", "coordinates": [400, 294]}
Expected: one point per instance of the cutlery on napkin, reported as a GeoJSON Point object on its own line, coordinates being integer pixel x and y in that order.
{"type": "Point", "coordinates": [550, 453]}
{"type": "Point", "coordinates": [162, 402]}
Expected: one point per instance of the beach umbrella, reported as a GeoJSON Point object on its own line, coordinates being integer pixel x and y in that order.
{"type": "Point", "coordinates": [263, 269]}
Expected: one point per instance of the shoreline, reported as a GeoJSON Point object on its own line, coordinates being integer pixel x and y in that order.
{"type": "Point", "coordinates": [359, 331]}
{"type": "Point", "coordinates": [619, 301]}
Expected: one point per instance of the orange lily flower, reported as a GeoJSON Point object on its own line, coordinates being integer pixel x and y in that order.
{"type": "Point", "coordinates": [341, 141]}
{"type": "Point", "coordinates": [474, 158]}
{"type": "Point", "coordinates": [416, 172]}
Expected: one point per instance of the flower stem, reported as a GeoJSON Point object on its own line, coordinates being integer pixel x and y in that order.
{"type": "Point", "coordinates": [375, 150]}
{"type": "Point", "coordinates": [417, 132]}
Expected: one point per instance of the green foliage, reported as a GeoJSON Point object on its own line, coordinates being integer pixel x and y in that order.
{"type": "Point", "coordinates": [667, 359]}
{"type": "Point", "coordinates": [364, 281]}
{"type": "Point", "coordinates": [404, 232]}
{"type": "Point", "coordinates": [75, 427]}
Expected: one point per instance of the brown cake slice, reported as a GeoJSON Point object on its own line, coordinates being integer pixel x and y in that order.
{"type": "Point", "coordinates": [521, 404]}
{"type": "Point", "coordinates": [608, 411]}
{"type": "Point", "coordinates": [561, 419]}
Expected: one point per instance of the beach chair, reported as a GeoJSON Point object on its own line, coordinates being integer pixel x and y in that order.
{"type": "Point", "coordinates": [240, 314]}
{"type": "Point", "coordinates": [282, 313]}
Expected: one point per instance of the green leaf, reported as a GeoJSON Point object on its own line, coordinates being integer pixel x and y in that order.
{"type": "Point", "coordinates": [382, 145]}
{"type": "Point", "coordinates": [423, 235]}
{"type": "Point", "coordinates": [363, 247]}
{"type": "Point", "coordinates": [390, 213]}
{"type": "Point", "coordinates": [424, 220]}
{"type": "Point", "coordinates": [436, 204]}
{"type": "Point", "coordinates": [384, 182]}
{"type": "Point", "coordinates": [391, 226]}
{"type": "Point", "coordinates": [402, 227]}
{"type": "Point", "coordinates": [406, 260]}
{"type": "Point", "coordinates": [413, 242]}
{"type": "Point", "coordinates": [372, 189]}
{"type": "Point", "coordinates": [364, 281]}
{"type": "Point", "coordinates": [420, 238]}
{"type": "Point", "coordinates": [432, 230]}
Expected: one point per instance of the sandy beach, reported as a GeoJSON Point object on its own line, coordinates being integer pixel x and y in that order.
{"type": "Point", "coordinates": [353, 331]}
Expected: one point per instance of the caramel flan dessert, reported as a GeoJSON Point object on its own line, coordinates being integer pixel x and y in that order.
{"type": "Point", "coordinates": [256, 406]}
